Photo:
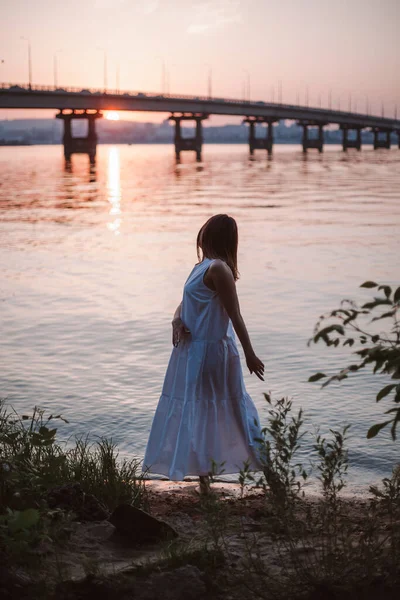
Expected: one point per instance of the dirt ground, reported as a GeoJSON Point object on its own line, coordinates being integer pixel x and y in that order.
{"type": "Point", "coordinates": [91, 558]}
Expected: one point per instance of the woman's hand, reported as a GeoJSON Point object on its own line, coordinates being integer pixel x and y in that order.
{"type": "Point", "coordinates": [178, 331]}
{"type": "Point", "coordinates": [255, 365]}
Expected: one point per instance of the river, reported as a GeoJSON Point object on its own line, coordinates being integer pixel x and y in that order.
{"type": "Point", "coordinates": [93, 260]}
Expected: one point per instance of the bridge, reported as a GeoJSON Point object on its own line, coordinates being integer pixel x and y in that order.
{"type": "Point", "coordinates": [75, 103]}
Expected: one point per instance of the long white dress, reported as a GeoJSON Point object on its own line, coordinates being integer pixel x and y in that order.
{"type": "Point", "coordinates": [204, 413]}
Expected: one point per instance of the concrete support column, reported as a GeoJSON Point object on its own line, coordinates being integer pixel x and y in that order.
{"type": "Point", "coordinates": [321, 138]}
{"type": "Point", "coordinates": [270, 137]}
{"type": "Point", "coordinates": [199, 138]}
{"type": "Point", "coordinates": [318, 142]}
{"type": "Point", "coordinates": [351, 143]}
{"type": "Point", "coordinates": [178, 138]}
{"type": "Point", "coordinates": [384, 142]}
{"type": "Point", "coordinates": [67, 131]}
{"type": "Point", "coordinates": [194, 143]}
{"type": "Point", "coordinates": [92, 128]}
{"type": "Point", "coordinates": [345, 139]}
{"type": "Point", "coordinates": [305, 138]}
{"type": "Point", "coordinates": [252, 136]}
{"type": "Point", "coordinates": [358, 139]}
{"type": "Point", "coordinates": [376, 139]}
{"type": "Point", "coordinates": [82, 144]}
{"type": "Point", "coordinates": [260, 143]}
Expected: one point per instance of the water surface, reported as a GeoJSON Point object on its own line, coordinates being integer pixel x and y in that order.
{"type": "Point", "coordinates": [93, 260]}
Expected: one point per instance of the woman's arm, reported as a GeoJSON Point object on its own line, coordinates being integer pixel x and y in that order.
{"type": "Point", "coordinates": [221, 278]}
{"type": "Point", "coordinates": [177, 313]}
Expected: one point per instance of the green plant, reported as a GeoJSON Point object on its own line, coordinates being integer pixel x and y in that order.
{"type": "Point", "coordinates": [97, 467]}
{"type": "Point", "coordinates": [32, 462]}
{"type": "Point", "coordinates": [333, 463]}
{"type": "Point", "coordinates": [215, 518]}
{"type": "Point", "coordinates": [18, 529]}
{"type": "Point", "coordinates": [329, 545]}
{"type": "Point", "coordinates": [278, 448]}
{"type": "Point", "coordinates": [389, 495]}
{"type": "Point", "coordinates": [386, 500]}
{"type": "Point", "coordinates": [29, 455]}
{"type": "Point", "coordinates": [325, 520]}
{"type": "Point", "coordinates": [381, 349]}
{"type": "Point", "coordinates": [177, 553]}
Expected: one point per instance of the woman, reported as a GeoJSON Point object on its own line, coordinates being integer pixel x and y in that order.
{"type": "Point", "coordinates": [205, 416]}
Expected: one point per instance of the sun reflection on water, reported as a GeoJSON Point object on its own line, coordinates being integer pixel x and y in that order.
{"type": "Point", "coordinates": [114, 189]}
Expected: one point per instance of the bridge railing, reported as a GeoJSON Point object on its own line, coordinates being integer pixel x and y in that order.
{"type": "Point", "coordinates": [12, 87]}
{"type": "Point", "coordinates": [111, 92]}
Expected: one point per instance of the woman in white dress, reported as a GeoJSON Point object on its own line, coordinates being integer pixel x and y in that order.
{"type": "Point", "coordinates": [204, 415]}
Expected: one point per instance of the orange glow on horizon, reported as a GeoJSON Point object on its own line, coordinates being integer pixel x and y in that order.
{"type": "Point", "coordinates": [111, 115]}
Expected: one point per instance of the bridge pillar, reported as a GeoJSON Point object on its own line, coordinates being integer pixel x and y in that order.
{"type": "Point", "coordinates": [252, 135]}
{"type": "Point", "coordinates": [384, 142]}
{"type": "Point", "coordinates": [313, 142]}
{"type": "Point", "coordinates": [351, 143]}
{"type": "Point", "coordinates": [83, 144]}
{"type": "Point", "coordinates": [261, 143]}
{"type": "Point", "coordinates": [193, 143]}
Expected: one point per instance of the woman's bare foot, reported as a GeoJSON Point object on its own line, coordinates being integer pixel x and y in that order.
{"type": "Point", "coordinates": [204, 485]}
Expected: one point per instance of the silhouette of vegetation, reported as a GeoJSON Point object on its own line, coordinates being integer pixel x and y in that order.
{"type": "Point", "coordinates": [282, 475]}
{"type": "Point", "coordinates": [273, 541]}
{"type": "Point", "coordinates": [354, 325]}
{"type": "Point", "coordinates": [33, 462]}
{"type": "Point", "coordinates": [326, 546]}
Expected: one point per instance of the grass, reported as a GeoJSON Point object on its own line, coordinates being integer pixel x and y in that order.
{"type": "Point", "coordinates": [33, 462]}
{"type": "Point", "coordinates": [177, 554]}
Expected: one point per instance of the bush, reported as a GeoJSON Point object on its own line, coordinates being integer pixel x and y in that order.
{"type": "Point", "coordinates": [281, 476]}
{"type": "Point", "coordinates": [324, 546]}
{"type": "Point", "coordinates": [380, 350]}
{"type": "Point", "coordinates": [32, 462]}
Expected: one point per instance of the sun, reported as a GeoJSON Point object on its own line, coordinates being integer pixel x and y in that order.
{"type": "Point", "coordinates": [112, 115]}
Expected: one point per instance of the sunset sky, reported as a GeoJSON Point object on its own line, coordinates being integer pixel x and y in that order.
{"type": "Point", "coordinates": [347, 45]}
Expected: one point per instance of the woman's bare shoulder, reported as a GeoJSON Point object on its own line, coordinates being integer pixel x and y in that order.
{"type": "Point", "coordinates": [220, 269]}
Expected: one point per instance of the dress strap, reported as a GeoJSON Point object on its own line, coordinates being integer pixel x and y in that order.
{"type": "Point", "coordinates": [204, 265]}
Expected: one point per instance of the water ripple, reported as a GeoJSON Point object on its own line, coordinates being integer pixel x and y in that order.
{"type": "Point", "coordinates": [94, 258]}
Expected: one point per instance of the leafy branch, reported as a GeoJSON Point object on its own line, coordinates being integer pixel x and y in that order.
{"type": "Point", "coordinates": [381, 350]}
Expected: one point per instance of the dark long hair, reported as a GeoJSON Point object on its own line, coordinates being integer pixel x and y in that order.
{"type": "Point", "coordinates": [218, 238]}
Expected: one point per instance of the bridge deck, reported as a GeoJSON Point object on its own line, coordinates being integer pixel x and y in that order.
{"type": "Point", "coordinates": [20, 96]}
